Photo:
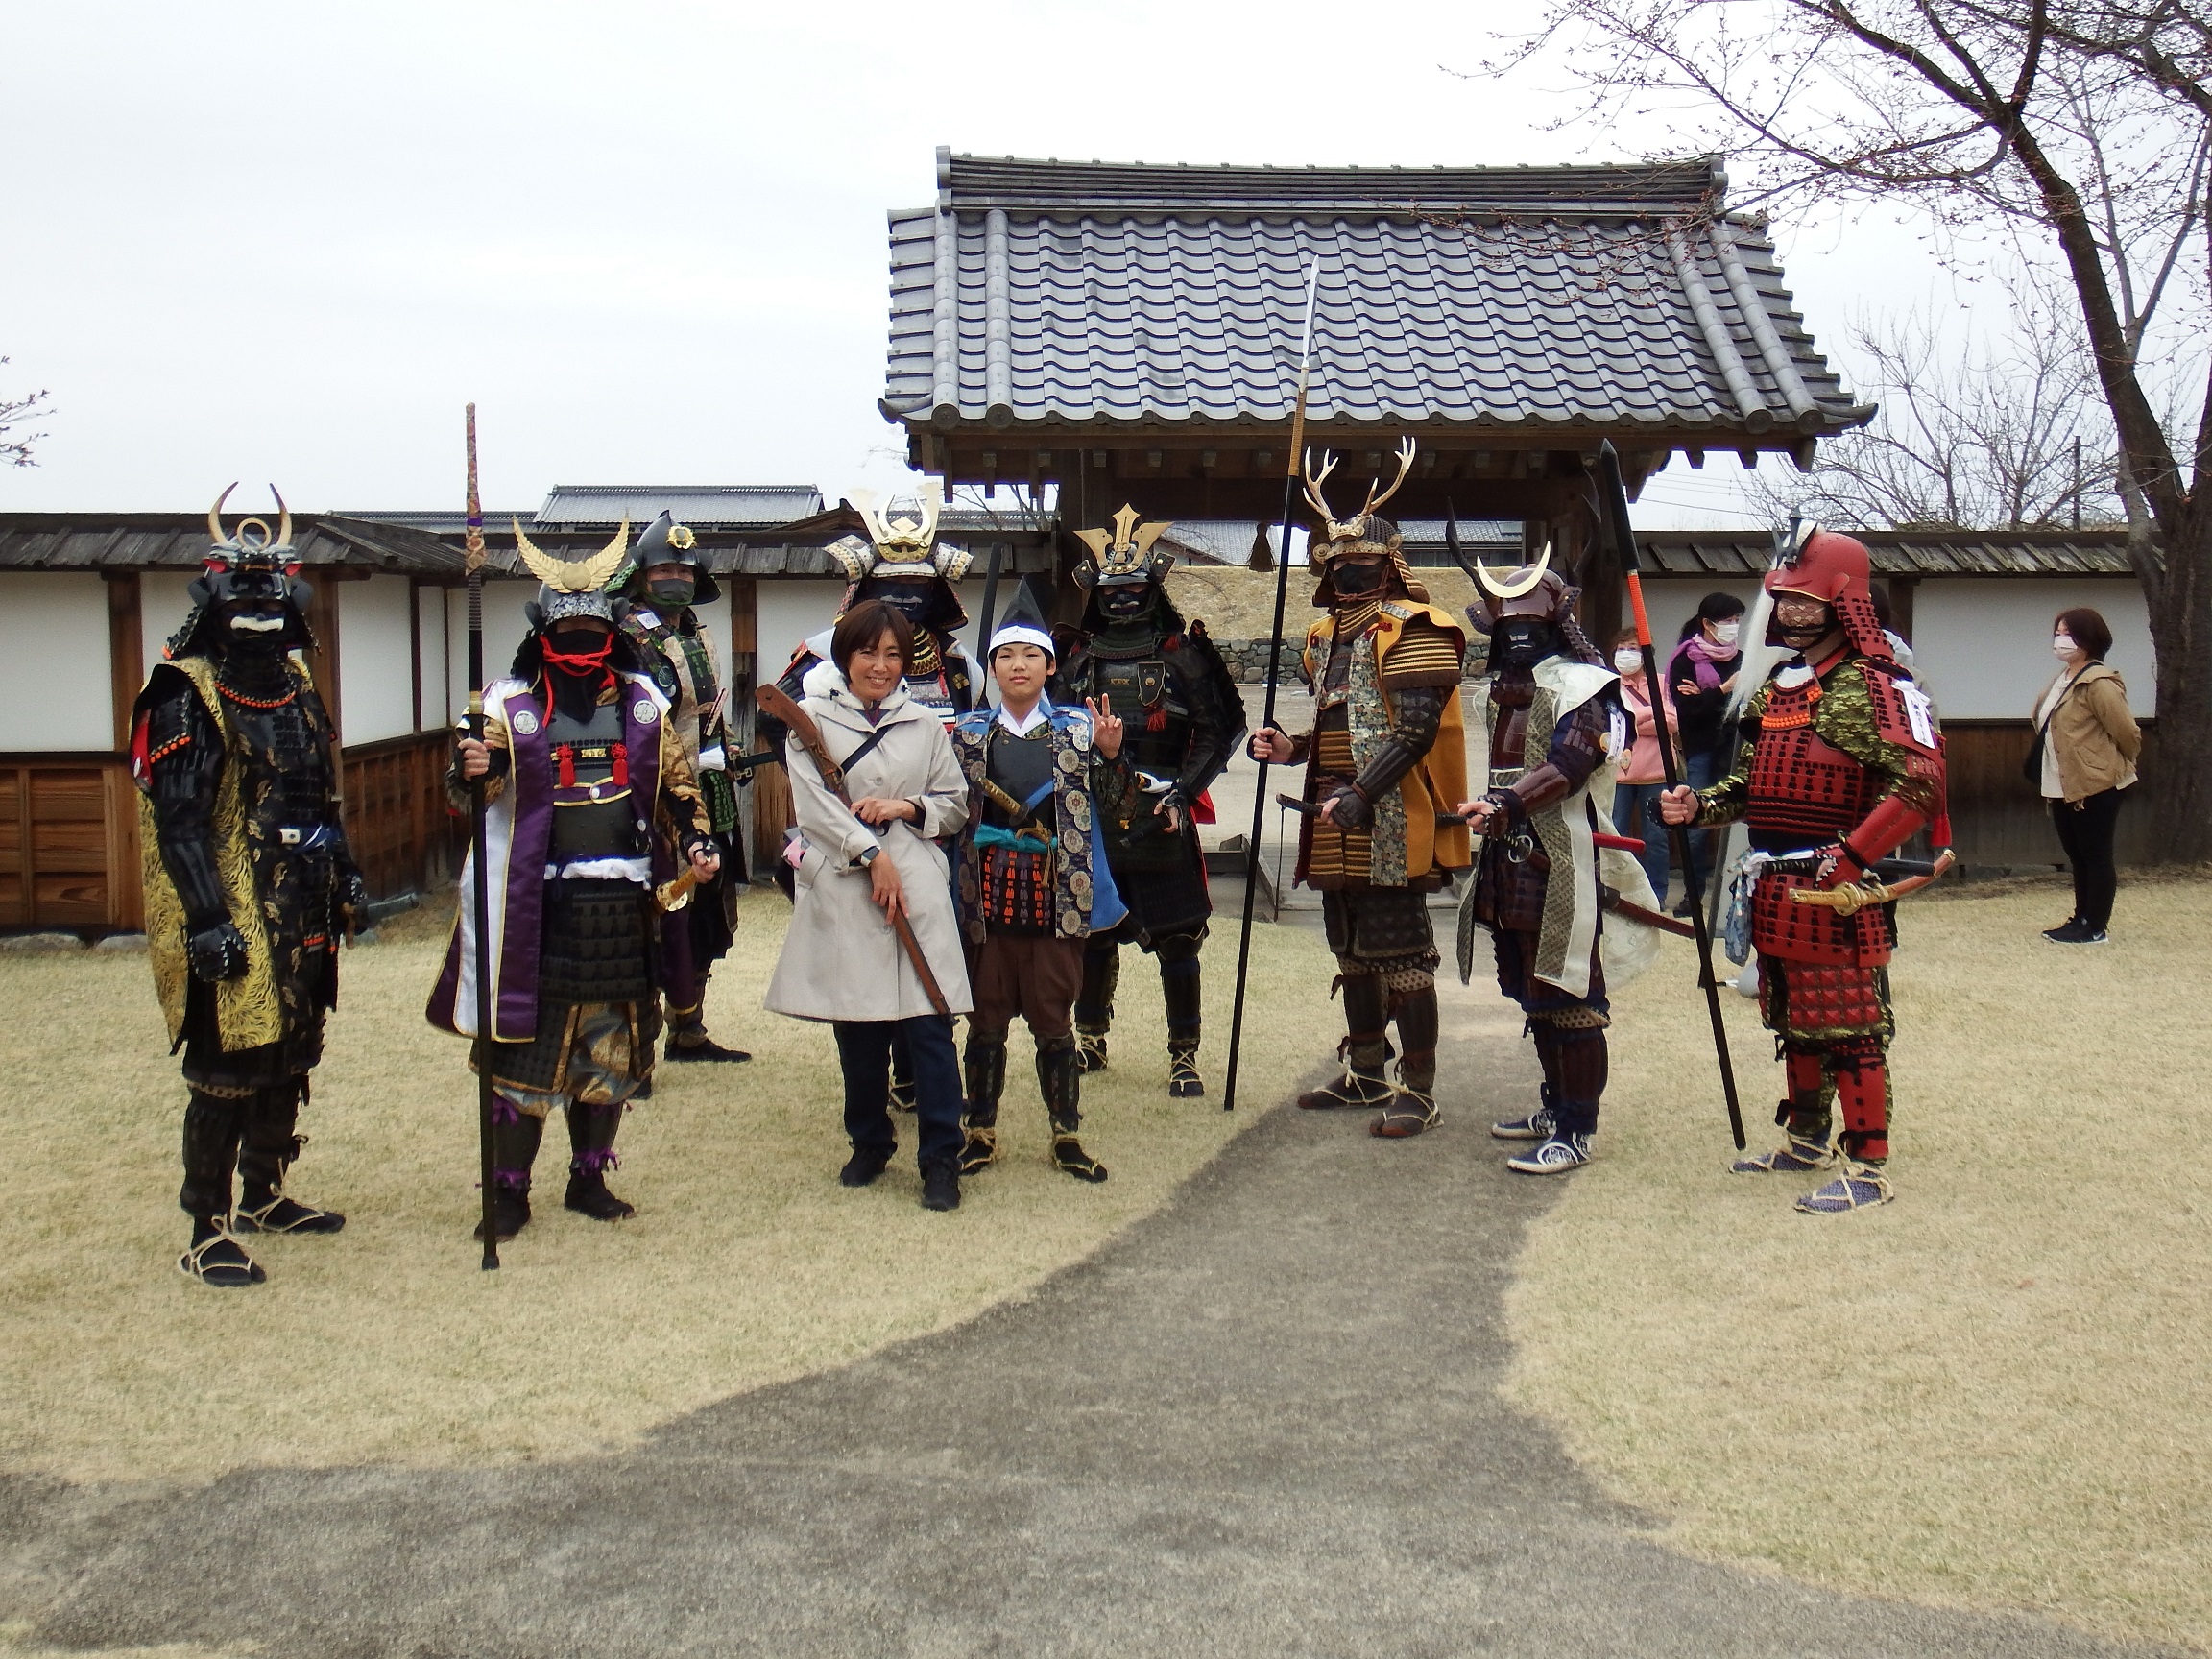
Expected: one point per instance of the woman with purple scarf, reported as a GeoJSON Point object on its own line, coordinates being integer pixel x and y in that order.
{"type": "Point", "coordinates": [1702, 674]}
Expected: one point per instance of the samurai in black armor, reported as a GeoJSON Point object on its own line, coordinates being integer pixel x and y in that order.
{"type": "Point", "coordinates": [664, 579]}
{"type": "Point", "coordinates": [1185, 718]}
{"type": "Point", "coordinates": [249, 885]}
{"type": "Point", "coordinates": [900, 563]}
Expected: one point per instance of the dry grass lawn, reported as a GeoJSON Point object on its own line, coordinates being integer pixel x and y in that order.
{"type": "Point", "coordinates": [747, 1263]}
{"type": "Point", "coordinates": [1993, 1392]}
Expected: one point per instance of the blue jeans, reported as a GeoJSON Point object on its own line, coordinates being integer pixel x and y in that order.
{"type": "Point", "coordinates": [1633, 820]}
{"type": "Point", "coordinates": [1702, 771]}
{"type": "Point", "coordinates": [864, 1051]}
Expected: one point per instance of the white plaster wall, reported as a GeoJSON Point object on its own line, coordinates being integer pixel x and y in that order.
{"type": "Point", "coordinates": [788, 611]}
{"type": "Point", "coordinates": [1982, 644]}
{"type": "Point", "coordinates": [437, 674]}
{"type": "Point", "coordinates": [161, 609]}
{"type": "Point", "coordinates": [54, 661]}
{"type": "Point", "coordinates": [503, 629]}
{"type": "Point", "coordinates": [375, 659]}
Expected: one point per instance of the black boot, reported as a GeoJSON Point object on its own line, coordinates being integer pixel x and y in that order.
{"type": "Point", "coordinates": [592, 1145]}
{"type": "Point", "coordinates": [1365, 1049]}
{"type": "Point", "coordinates": [1179, 990]}
{"type": "Point", "coordinates": [216, 1258]}
{"type": "Point", "coordinates": [515, 1139]}
{"type": "Point", "coordinates": [1095, 1003]}
{"type": "Point", "coordinates": [1060, 1080]}
{"type": "Point", "coordinates": [1412, 1108]}
{"type": "Point", "coordinates": [268, 1148]}
{"type": "Point", "coordinates": [985, 1064]}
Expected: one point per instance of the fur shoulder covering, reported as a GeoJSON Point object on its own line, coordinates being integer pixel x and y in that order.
{"type": "Point", "coordinates": [1903, 714]}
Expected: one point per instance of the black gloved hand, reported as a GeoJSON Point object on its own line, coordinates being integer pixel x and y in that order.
{"type": "Point", "coordinates": [350, 892]}
{"type": "Point", "coordinates": [1349, 810]}
{"type": "Point", "coordinates": [216, 953]}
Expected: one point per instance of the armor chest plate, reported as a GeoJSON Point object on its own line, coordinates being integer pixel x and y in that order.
{"type": "Point", "coordinates": [595, 815]}
{"type": "Point", "coordinates": [1138, 684]}
{"type": "Point", "coordinates": [1801, 783]}
{"type": "Point", "coordinates": [280, 741]}
{"type": "Point", "coordinates": [1020, 766]}
{"type": "Point", "coordinates": [1508, 736]}
{"type": "Point", "coordinates": [935, 694]}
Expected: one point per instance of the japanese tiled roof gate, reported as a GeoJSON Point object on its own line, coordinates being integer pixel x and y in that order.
{"type": "Point", "coordinates": [1131, 332]}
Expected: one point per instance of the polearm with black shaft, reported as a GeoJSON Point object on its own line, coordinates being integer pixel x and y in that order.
{"type": "Point", "coordinates": [480, 898]}
{"type": "Point", "coordinates": [1274, 667]}
{"type": "Point", "coordinates": [1616, 503]}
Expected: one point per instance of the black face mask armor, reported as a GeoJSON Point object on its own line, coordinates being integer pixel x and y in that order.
{"type": "Point", "coordinates": [248, 597]}
{"type": "Point", "coordinates": [674, 591]}
{"type": "Point", "coordinates": [1360, 579]}
{"type": "Point", "coordinates": [1125, 601]}
{"type": "Point", "coordinates": [910, 599]}
{"type": "Point", "coordinates": [1524, 641]}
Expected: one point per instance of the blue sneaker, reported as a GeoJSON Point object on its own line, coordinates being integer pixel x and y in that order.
{"type": "Point", "coordinates": [1536, 1126]}
{"type": "Point", "coordinates": [1555, 1155]}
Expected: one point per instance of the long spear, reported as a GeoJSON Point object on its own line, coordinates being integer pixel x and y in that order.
{"type": "Point", "coordinates": [1274, 664]}
{"type": "Point", "coordinates": [1616, 495]}
{"type": "Point", "coordinates": [481, 898]}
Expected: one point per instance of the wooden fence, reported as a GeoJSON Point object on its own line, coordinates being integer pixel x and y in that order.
{"type": "Point", "coordinates": [69, 832]}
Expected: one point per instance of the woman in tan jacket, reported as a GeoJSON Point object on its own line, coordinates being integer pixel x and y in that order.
{"type": "Point", "coordinates": [2086, 742]}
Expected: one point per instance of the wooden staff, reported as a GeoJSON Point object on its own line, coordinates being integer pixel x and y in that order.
{"type": "Point", "coordinates": [1274, 667]}
{"type": "Point", "coordinates": [481, 896]}
{"type": "Point", "coordinates": [776, 703]}
{"type": "Point", "coordinates": [1616, 499]}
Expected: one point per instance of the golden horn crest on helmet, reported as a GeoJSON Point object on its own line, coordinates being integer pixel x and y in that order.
{"type": "Point", "coordinates": [574, 575]}
{"type": "Point", "coordinates": [222, 537]}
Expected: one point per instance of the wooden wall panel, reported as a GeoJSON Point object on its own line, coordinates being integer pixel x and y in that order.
{"type": "Point", "coordinates": [1997, 818]}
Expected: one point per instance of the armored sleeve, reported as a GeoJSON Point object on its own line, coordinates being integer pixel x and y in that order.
{"type": "Point", "coordinates": [680, 809]}
{"type": "Point", "coordinates": [184, 763]}
{"type": "Point", "coordinates": [1852, 715]}
{"type": "Point", "coordinates": [1417, 714]}
{"type": "Point", "coordinates": [1214, 721]}
{"type": "Point", "coordinates": [1577, 750]}
{"type": "Point", "coordinates": [1730, 799]}
{"type": "Point", "coordinates": [1422, 655]}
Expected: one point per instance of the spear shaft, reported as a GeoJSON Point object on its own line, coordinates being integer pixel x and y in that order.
{"type": "Point", "coordinates": [1616, 501]}
{"type": "Point", "coordinates": [1274, 667]}
{"type": "Point", "coordinates": [480, 897]}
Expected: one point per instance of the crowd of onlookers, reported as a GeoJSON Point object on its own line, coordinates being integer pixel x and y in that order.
{"type": "Point", "coordinates": [2082, 760]}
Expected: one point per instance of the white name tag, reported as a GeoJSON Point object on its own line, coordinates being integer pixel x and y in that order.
{"type": "Point", "coordinates": [1920, 713]}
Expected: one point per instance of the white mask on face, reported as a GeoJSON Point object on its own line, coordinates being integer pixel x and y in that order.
{"type": "Point", "coordinates": [2062, 646]}
{"type": "Point", "coordinates": [1628, 659]}
{"type": "Point", "coordinates": [1725, 633]}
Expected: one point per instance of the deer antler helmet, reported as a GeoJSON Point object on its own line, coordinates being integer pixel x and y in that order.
{"type": "Point", "coordinates": [1365, 533]}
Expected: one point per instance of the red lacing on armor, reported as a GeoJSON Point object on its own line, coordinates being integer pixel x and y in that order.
{"type": "Point", "coordinates": [244, 701]}
{"type": "Point", "coordinates": [565, 761]}
{"type": "Point", "coordinates": [181, 741]}
{"type": "Point", "coordinates": [1793, 707]}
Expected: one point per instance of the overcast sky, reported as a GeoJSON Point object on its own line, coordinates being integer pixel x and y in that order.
{"type": "Point", "coordinates": [288, 242]}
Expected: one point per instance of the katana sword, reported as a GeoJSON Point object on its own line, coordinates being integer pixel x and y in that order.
{"type": "Point", "coordinates": [1274, 668]}
{"type": "Point", "coordinates": [480, 895]}
{"type": "Point", "coordinates": [1623, 533]}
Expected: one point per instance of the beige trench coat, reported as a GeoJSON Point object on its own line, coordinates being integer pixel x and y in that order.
{"type": "Point", "coordinates": [841, 960]}
{"type": "Point", "coordinates": [2092, 734]}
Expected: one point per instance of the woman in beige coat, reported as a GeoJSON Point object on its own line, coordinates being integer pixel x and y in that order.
{"type": "Point", "coordinates": [2085, 747]}
{"type": "Point", "coordinates": [857, 866]}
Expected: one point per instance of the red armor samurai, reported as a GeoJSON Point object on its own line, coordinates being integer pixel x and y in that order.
{"type": "Point", "coordinates": [1840, 764]}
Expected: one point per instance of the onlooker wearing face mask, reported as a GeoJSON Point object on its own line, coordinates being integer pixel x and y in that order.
{"type": "Point", "coordinates": [2086, 742]}
{"type": "Point", "coordinates": [1641, 777]}
{"type": "Point", "coordinates": [1702, 677]}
